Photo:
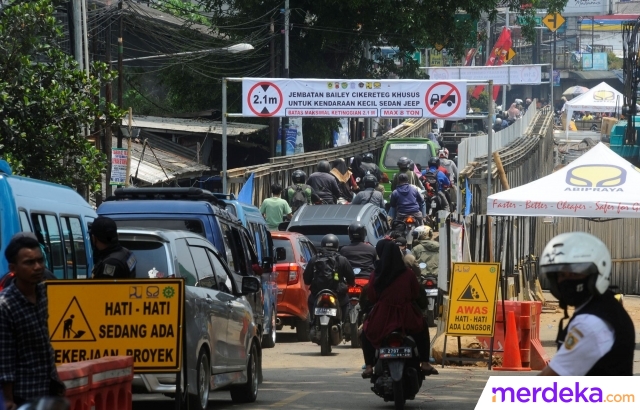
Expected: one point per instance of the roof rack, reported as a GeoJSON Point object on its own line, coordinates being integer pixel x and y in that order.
{"type": "Point", "coordinates": [184, 194]}
{"type": "Point", "coordinates": [220, 195]}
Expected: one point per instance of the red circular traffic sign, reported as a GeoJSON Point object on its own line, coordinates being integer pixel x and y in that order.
{"type": "Point", "coordinates": [442, 99]}
{"type": "Point", "coordinates": [261, 101]}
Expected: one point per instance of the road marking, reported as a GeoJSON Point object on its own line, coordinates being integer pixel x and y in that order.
{"type": "Point", "coordinates": [290, 399]}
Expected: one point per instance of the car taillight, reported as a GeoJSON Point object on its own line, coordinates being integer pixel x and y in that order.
{"type": "Point", "coordinates": [429, 284]}
{"type": "Point", "coordinates": [293, 274]}
{"type": "Point", "coordinates": [395, 341]}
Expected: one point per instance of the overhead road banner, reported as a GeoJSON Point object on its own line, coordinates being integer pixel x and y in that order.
{"type": "Point", "coordinates": [501, 75]}
{"type": "Point", "coordinates": [263, 97]}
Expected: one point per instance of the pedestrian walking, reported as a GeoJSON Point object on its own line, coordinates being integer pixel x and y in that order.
{"type": "Point", "coordinates": [27, 366]}
{"type": "Point", "coordinates": [274, 209]}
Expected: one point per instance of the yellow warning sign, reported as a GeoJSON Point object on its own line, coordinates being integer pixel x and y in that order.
{"type": "Point", "coordinates": [474, 288]}
{"type": "Point", "coordinates": [89, 319]}
{"type": "Point", "coordinates": [510, 54]}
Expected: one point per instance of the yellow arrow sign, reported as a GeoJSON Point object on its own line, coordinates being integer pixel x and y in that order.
{"type": "Point", "coordinates": [510, 54]}
{"type": "Point", "coordinates": [553, 21]}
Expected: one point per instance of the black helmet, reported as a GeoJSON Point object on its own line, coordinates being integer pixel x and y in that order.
{"type": "Point", "coordinates": [368, 157]}
{"type": "Point", "coordinates": [357, 232]}
{"type": "Point", "coordinates": [370, 181]}
{"type": "Point", "coordinates": [298, 176]}
{"type": "Point", "coordinates": [403, 163]}
{"type": "Point", "coordinates": [324, 166]}
{"type": "Point", "coordinates": [434, 162]}
{"type": "Point", "coordinates": [104, 229]}
{"type": "Point", "coordinates": [330, 242]}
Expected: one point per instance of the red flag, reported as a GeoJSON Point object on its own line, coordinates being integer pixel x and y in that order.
{"type": "Point", "coordinates": [496, 58]}
{"type": "Point", "coordinates": [469, 56]}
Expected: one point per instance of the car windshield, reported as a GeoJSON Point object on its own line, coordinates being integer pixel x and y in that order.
{"type": "Point", "coordinates": [420, 153]}
{"type": "Point", "coordinates": [151, 257]}
{"type": "Point", "coordinates": [316, 232]}
{"type": "Point", "coordinates": [191, 225]}
{"type": "Point", "coordinates": [288, 247]}
{"type": "Point", "coordinates": [468, 125]}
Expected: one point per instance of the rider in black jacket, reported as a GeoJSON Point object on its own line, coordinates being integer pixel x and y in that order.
{"type": "Point", "coordinates": [112, 260]}
{"type": "Point", "coordinates": [324, 184]}
{"type": "Point", "coordinates": [359, 253]}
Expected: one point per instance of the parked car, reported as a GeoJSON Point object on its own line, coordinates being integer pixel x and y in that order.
{"type": "Point", "coordinates": [223, 354]}
{"type": "Point", "coordinates": [55, 213]}
{"type": "Point", "coordinates": [293, 252]}
{"type": "Point", "coordinates": [419, 150]}
{"type": "Point", "coordinates": [198, 211]}
{"type": "Point", "coordinates": [315, 221]}
{"type": "Point", "coordinates": [253, 220]}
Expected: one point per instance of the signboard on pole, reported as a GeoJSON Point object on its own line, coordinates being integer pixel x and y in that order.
{"type": "Point", "coordinates": [353, 98]}
{"type": "Point", "coordinates": [97, 318]}
{"type": "Point", "coordinates": [118, 166]}
{"type": "Point", "coordinates": [553, 21]}
{"type": "Point", "coordinates": [501, 75]}
{"type": "Point", "coordinates": [472, 308]}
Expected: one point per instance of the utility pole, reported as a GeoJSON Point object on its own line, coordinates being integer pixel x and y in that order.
{"type": "Point", "coordinates": [108, 97]}
{"type": "Point", "coordinates": [285, 74]}
{"type": "Point", "coordinates": [86, 39]}
{"type": "Point", "coordinates": [120, 69]}
{"type": "Point", "coordinates": [77, 32]}
{"type": "Point", "coordinates": [273, 122]}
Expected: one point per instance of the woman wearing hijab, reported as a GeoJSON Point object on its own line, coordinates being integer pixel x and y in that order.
{"type": "Point", "coordinates": [343, 177]}
{"type": "Point", "coordinates": [357, 171]}
{"type": "Point", "coordinates": [394, 290]}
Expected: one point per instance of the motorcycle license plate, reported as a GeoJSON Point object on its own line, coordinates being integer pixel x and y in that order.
{"type": "Point", "coordinates": [431, 292]}
{"type": "Point", "coordinates": [395, 352]}
{"type": "Point", "coordinates": [326, 312]}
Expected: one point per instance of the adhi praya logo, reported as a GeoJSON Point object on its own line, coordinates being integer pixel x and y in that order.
{"type": "Point", "coordinates": [609, 178]}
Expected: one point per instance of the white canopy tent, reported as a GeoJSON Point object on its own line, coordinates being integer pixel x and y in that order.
{"type": "Point", "coordinates": [599, 184]}
{"type": "Point", "coordinates": [601, 98]}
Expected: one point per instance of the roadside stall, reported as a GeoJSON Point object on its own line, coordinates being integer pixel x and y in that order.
{"type": "Point", "coordinates": [601, 98]}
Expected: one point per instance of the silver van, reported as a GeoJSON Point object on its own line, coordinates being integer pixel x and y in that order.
{"type": "Point", "coordinates": [222, 340]}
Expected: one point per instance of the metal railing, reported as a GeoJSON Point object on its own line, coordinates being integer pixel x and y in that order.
{"type": "Point", "coordinates": [279, 169]}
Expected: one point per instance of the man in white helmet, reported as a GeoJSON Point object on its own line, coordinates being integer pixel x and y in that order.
{"type": "Point", "coordinates": [600, 338]}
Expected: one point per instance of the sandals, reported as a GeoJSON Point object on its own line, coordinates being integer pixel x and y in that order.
{"type": "Point", "coordinates": [429, 372]}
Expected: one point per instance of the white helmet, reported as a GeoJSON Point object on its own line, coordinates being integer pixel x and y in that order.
{"type": "Point", "coordinates": [577, 252]}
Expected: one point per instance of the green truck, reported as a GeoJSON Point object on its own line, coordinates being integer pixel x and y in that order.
{"type": "Point", "coordinates": [419, 150]}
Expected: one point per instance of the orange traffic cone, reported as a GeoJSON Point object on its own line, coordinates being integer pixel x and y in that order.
{"type": "Point", "coordinates": [511, 356]}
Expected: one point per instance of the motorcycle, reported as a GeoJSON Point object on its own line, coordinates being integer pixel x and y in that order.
{"type": "Point", "coordinates": [327, 323]}
{"type": "Point", "coordinates": [354, 313]}
{"type": "Point", "coordinates": [397, 376]}
{"type": "Point", "coordinates": [405, 225]}
{"type": "Point", "coordinates": [430, 283]}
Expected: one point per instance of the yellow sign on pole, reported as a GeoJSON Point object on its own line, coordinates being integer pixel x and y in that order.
{"type": "Point", "coordinates": [472, 308]}
{"type": "Point", "coordinates": [510, 54]}
{"type": "Point", "coordinates": [90, 319]}
{"type": "Point", "coordinates": [553, 21]}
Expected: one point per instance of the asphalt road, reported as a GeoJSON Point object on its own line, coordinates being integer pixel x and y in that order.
{"type": "Point", "coordinates": [297, 377]}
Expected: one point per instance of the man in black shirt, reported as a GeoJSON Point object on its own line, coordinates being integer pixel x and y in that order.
{"type": "Point", "coordinates": [324, 184]}
{"type": "Point", "coordinates": [111, 260]}
{"type": "Point", "coordinates": [359, 253]}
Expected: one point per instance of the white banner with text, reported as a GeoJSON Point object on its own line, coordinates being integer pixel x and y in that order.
{"type": "Point", "coordinates": [501, 75]}
{"type": "Point", "coordinates": [263, 97]}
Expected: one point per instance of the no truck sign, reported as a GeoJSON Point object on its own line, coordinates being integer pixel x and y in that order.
{"type": "Point", "coordinates": [353, 98]}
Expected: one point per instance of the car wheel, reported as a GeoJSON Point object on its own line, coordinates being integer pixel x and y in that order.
{"type": "Point", "coordinates": [248, 392]}
{"type": "Point", "coordinates": [302, 330]}
{"type": "Point", "coordinates": [200, 401]}
{"type": "Point", "coordinates": [269, 340]}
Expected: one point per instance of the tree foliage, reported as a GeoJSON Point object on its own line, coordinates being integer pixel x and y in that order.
{"type": "Point", "coordinates": [45, 100]}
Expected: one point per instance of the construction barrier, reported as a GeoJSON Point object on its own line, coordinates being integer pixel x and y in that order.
{"type": "Point", "coordinates": [100, 384]}
{"type": "Point", "coordinates": [527, 315]}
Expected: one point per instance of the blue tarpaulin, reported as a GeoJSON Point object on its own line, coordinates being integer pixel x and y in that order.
{"type": "Point", "coordinates": [246, 193]}
{"type": "Point", "coordinates": [468, 197]}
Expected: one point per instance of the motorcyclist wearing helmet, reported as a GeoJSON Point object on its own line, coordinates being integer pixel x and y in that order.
{"type": "Point", "coordinates": [497, 125]}
{"type": "Point", "coordinates": [324, 184]}
{"type": "Point", "coordinates": [359, 253]}
{"type": "Point", "coordinates": [426, 251]}
{"type": "Point", "coordinates": [368, 165]}
{"type": "Point", "coordinates": [407, 200]}
{"type": "Point", "coordinates": [295, 192]}
{"type": "Point", "coordinates": [443, 181]}
{"type": "Point", "coordinates": [600, 338]}
{"type": "Point", "coordinates": [403, 165]}
{"type": "Point", "coordinates": [369, 195]}
{"type": "Point", "coordinates": [329, 247]}
{"type": "Point", "coordinates": [448, 165]}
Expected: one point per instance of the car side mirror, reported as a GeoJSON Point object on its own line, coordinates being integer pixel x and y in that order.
{"type": "Point", "coordinates": [281, 254]}
{"type": "Point", "coordinates": [250, 284]}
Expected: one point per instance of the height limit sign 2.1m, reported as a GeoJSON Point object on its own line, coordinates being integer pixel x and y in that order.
{"type": "Point", "coordinates": [264, 99]}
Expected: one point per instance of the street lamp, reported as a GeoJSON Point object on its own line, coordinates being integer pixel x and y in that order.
{"type": "Point", "coordinates": [234, 49]}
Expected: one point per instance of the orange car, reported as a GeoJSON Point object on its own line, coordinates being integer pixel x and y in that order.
{"type": "Point", "coordinates": [293, 252]}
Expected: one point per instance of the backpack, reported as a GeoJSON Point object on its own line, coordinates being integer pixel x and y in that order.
{"type": "Point", "coordinates": [324, 273]}
{"type": "Point", "coordinates": [298, 198]}
{"type": "Point", "coordinates": [432, 178]}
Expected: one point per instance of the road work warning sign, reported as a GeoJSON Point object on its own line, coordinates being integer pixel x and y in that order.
{"type": "Point", "coordinates": [472, 307]}
{"type": "Point", "coordinates": [140, 318]}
